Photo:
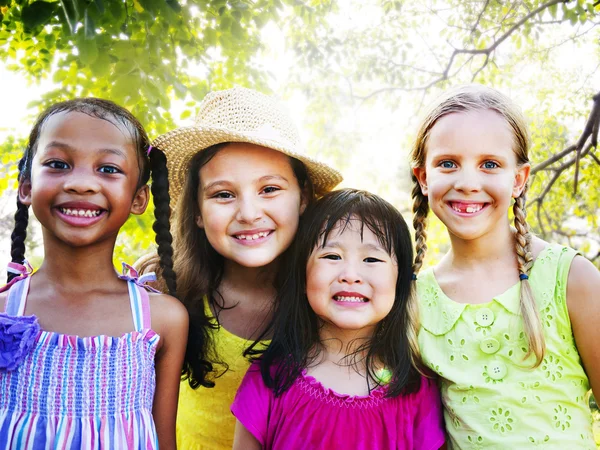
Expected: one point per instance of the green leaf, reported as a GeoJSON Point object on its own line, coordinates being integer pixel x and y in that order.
{"type": "Point", "coordinates": [5, 2]}
{"type": "Point", "coordinates": [174, 4]}
{"type": "Point", "coordinates": [88, 49]}
{"type": "Point", "coordinates": [37, 13]}
{"type": "Point", "coordinates": [184, 115]}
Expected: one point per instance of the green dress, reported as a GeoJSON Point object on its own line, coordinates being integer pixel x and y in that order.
{"type": "Point", "coordinates": [492, 398]}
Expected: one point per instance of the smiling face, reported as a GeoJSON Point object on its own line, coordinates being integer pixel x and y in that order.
{"type": "Point", "coordinates": [84, 178]}
{"type": "Point", "coordinates": [250, 203]}
{"type": "Point", "coordinates": [471, 172]}
{"type": "Point", "coordinates": [351, 279]}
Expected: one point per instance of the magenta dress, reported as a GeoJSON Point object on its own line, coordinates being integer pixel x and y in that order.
{"type": "Point", "coordinates": [311, 416]}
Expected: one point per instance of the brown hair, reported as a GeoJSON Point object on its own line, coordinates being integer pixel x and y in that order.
{"type": "Point", "coordinates": [199, 269]}
{"type": "Point", "coordinates": [476, 98]}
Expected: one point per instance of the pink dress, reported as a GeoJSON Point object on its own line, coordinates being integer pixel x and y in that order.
{"type": "Point", "coordinates": [311, 416]}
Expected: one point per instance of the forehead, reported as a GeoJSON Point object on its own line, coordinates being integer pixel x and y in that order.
{"type": "Point", "coordinates": [240, 158]}
{"type": "Point", "coordinates": [480, 131]}
{"type": "Point", "coordinates": [350, 230]}
{"type": "Point", "coordinates": [82, 131]}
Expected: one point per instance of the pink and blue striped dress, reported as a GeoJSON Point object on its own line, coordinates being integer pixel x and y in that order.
{"type": "Point", "coordinates": [73, 392]}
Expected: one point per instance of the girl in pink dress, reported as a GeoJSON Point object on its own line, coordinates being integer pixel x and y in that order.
{"type": "Point", "coordinates": [342, 370]}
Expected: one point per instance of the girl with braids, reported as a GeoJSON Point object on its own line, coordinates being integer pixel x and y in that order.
{"type": "Point", "coordinates": [341, 371]}
{"type": "Point", "coordinates": [83, 350]}
{"type": "Point", "coordinates": [506, 318]}
{"type": "Point", "coordinates": [244, 182]}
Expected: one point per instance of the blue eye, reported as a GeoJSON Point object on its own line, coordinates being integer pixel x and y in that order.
{"type": "Point", "coordinates": [447, 165]}
{"type": "Point", "coordinates": [490, 165]}
{"type": "Point", "coordinates": [109, 169]}
{"type": "Point", "coordinates": [59, 165]}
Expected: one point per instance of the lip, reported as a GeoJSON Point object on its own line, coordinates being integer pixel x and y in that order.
{"type": "Point", "coordinates": [253, 242]}
{"type": "Point", "coordinates": [464, 204]}
{"type": "Point", "coordinates": [350, 294]}
{"type": "Point", "coordinates": [79, 221]}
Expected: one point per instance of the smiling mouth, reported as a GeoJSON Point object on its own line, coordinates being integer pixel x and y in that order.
{"type": "Point", "coordinates": [80, 212]}
{"type": "Point", "coordinates": [342, 298]}
{"type": "Point", "coordinates": [467, 208]}
{"type": "Point", "coordinates": [252, 237]}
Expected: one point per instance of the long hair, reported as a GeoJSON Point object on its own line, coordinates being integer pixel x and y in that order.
{"type": "Point", "coordinates": [200, 269]}
{"type": "Point", "coordinates": [153, 164]}
{"type": "Point", "coordinates": [478, 98]}
{"type": "Point", "coordinates": [295, 344]}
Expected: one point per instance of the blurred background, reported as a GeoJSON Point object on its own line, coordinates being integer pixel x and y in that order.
{"type": "Point", "coordinates": [354, 74]}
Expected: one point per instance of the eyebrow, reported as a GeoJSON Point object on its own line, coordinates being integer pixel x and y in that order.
{"type": "Point", "coordinates": [336, 244]}
{"type": "Point", "coordinates": [229, 183]}
{"type": "Point", "coordinates": [68, 148]}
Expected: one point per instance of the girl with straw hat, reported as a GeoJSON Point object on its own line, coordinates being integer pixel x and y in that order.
{"type": "Point", "coordinates": [241, 181]}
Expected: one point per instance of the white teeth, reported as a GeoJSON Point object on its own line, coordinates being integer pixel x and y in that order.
{"type": "Point", "coordinates": [80, 212]}
{"type": "Point", "coordinates": [251, 237]}
{"type": "Point", "coordinates": [468, 209]}
{"type": "Point", "coordinates": [350, 299]}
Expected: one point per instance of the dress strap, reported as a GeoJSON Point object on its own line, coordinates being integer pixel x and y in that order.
{"type": "Point", "coordinates": [17, 297]}
{"type": "Point", "coordinates": [140, 306]}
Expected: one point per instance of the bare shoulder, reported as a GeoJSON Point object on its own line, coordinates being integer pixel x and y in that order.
{"type": "Point", "coordinates": [167, 312]}
{"type": "Point", "coordinates": [583, 284]}
{"type": "Point", "coordinates": [537, 245]}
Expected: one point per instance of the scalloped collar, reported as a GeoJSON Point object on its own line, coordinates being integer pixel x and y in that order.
{"type": "Point", "coordinates": [439, 313]}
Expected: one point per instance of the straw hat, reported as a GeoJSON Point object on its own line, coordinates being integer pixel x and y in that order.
{"type": "Point", "coordinates": [239, 115]}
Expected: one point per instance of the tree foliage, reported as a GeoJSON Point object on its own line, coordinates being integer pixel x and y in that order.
{"type": "Point", "coordinates": [403, 53]}
{"type": "Point", "coordinates": [142, 54]}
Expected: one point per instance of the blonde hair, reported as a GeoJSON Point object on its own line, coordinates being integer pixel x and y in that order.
{"type": "Point", "coordinates": [476, 98]}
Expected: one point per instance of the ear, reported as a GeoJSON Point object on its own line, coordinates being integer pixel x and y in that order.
{"type": "Point", "coordinates": [25, 192]}
{"type": "Point", "coordinates": [303, 201]}
{"type": "Point", "coordinates": [140, 200]}
{"type": "Point", "coordinates": [199, 221]}
{"type": "Point", "coordinates": [521, 178]}
{"type": "Point", "coordinates": [421, 176]}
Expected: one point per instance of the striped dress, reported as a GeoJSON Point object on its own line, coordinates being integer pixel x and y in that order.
{"type": "Point", "coordinates": [74, 392]}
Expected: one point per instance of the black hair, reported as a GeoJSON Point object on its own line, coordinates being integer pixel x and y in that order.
{"type": "Point", "coordinates": [154, 163]}
{"type": "Point", "coordinates": [295, 342]}
{"type": "Point", "coordinates": [200, 272]}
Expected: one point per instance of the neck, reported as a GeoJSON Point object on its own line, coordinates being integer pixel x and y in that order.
{"type": "Point", "coordinates": [255, 282]}
{"type": "Point", "coordinates": [337, 343]}
{"type": "Point", "coordinates": [81, 266]}
{"type": "Point", "coordinates": [488, 249]}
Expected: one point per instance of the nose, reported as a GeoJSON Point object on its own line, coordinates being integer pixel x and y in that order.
{"type": "Point", "coordinates": [468, 180]}
{"type": "Point", "coordinates": [249, 209]}
{"type": "Point", "coordinates": [350, 273]}
{"type": "Point", "coordinates": [81, 182]}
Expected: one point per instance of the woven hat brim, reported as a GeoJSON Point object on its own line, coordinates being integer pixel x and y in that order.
{"type": "Point", "coordinates": [180, 146]}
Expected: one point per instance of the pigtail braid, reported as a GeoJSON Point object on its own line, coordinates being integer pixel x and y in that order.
{"type": "Point", "coordinates": [162, 214]}
{"type": "Point", "coordinates": [420, 211]}
{"type": "Point", "coordinates": [18, 236]}
{"type": "Point", "coordinates": [531, 318]}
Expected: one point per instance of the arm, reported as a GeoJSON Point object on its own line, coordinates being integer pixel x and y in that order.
{"type": "Point", "coordinates": [243, 439]}
{"type": "Point", "coordinates": [583, 302]}
{"type": "Point", "coordinates": [170, 320]}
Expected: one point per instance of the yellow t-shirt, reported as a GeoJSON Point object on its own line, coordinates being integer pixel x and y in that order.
{"type": "Point", "coordinates": [204, 420]}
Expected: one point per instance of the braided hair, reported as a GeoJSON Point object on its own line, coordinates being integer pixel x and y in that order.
{"type": "Point", "coordinates": [478, 98]}
{"type": "Point", "coordinates": [154, 164]}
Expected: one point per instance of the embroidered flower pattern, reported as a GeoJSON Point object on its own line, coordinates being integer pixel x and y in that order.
{"type": "Point", "coordinates": [17, 338]}
{"type": "Point", "coordinates": [530, 392]}
{"type": "Point", "coordinates": [456, 350]}
{"type": "Point", "coordinates": [551, 365]}
{"type": "Point", "coordinates": [501, 420]}
{"type": "Point", "coordinates": [431, 297]}
{"type": "Point", "coordinates": [562, 419]}
{"type": "Point", "coordinates": [475, 442]}
{"type": "Point", "coordinates": [514, 344]}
